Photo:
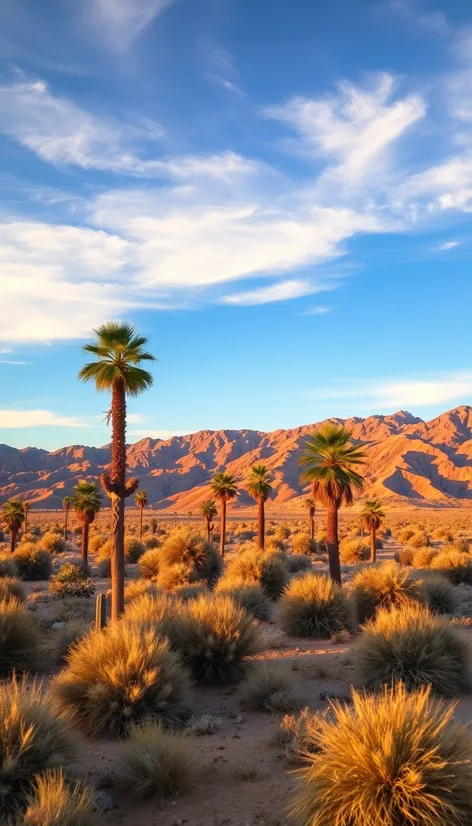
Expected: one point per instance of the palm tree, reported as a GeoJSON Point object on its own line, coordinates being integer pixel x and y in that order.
{"type": "Point", "coordinates": [119, 352]}
{"type": "Point", "coordinates": [372, 517]}
{"type": "Point", "coordinates": [329, 460]}
{"type": "Point", "coordinates": [86, 501]}
{"type": "Point", "coordinates": [13, 514]}
{"type": "Point", "coordinates": [66, 503]}
{"type": "Point", "coordinates": [259, 487]}
{"type": "Point", "coordinates": [26, 507]}
{"type": "Point", "coordinates": [223, 487]}
{"type": "Point", "coordinates": [141, 501]}
{"type": "Point", "coordinates": [209, 510]}
{"type": "Point", "coordinates": [310, 506]}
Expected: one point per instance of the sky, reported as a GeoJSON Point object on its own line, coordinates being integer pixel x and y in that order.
{"type": "Point", "coordinates": [277, 194]}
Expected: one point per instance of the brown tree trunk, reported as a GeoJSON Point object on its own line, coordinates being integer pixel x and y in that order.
{"type": "Point", "coordinates": [373, 542]}
{"type": "Point", "coordinates": [66, 520]}
{"type": "Point", "coordinates": [332, 542]}
{"type": "Point", "coordinates": [141, 522]}
{"type": "Point", "coordinates": [208, 521]}
{"type": "Point", "coordinates": [25, 529]}
{"type": "Point", "coordinates": [312, 523]}
{"type": "Point", "coordinates": [223, 527]}
{"type": "Point", "coordinates": [13, 535]}
{"type": "Point", "coordinates": [118, 477]}
{"type": "Point", "coordinates": [118, 557]}
{"type": "Point", "coordinates": [261, 524]}
{"type": "Point", "coordinates": [85, 539]}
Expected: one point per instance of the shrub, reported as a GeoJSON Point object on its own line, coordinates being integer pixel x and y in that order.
{"type": "Point", "coordinates": [245, 534]}
{"type": "Point", "coordinates": [104, 567]}
{"type": "Point", "coordinates": [299, 733]}
{"type": "Point", "coordinates": [96, 542]}
{"type": "Point", "coordinates": [32, 562]}
{"type": "Point", "coordinates": [155, 762]}
{"type": "Point", "coordinates": [183, 547]}
{"type": "Point", "coordinates": [139, 587]}
{"type": "Point", "coordinates": [186, 592]}
{"type": "Point", "coordinates": [282, 532]}
{"type": "Point", "coordinates": [19, 638]}
{"type": "Point", "coordinates": [455, 565]}
{"type": "Point", "coordinates": [74, 608]}
{"type": "Point", "coordinates": [423, 557]}
{"type": "Point", "coordinates": [297, 562]}
{"type": "Point", "coordinates": [405, 534]}
{"type": "Point", "coordinates": [269, 687]}
{"type": "Point", "coordinates": [390, 760]}
{"type": "Point", "coordinates": [257, 568]}
{"type": "Point", "coordinates": [134, 549]}
{"type": "Point", "coordinates": [33, 739]}
{"type": "Point", "coordinates": [149, 563]}
{"type": "Point", "coordinates": [71, 581]}
{"type": "Point", "coordinates": [410, 644]}
{"type": "Point", "coordinates": [303, 544]}
{"type": "Point", "coordinates": [404, 556]}
{"type": "Point", "coordinates": [7, 566]}
{"type": "Point", "coordinates": [382, 586]}
{"type": "Point", "coordinates": [439, 595]}
{"type": "Point", "coordinates": [175, 576]}
{"type": "Point", "coordinates": [205, 725]}
{"type": "Point", "coordinates": [67, 636]}
{"type": "Point", "coordinates": [442, 533]}
{"type": "Point", "coordinates": [313, 606]}
{"type": "Point", "coordinates": [120, 676]}
{"type": "Point", "coordinates": [249, 597]}
{"type": "Point", "coordinates": [461, 544]}
{"type": "Point", "coordinates": [216, 637]}
{"type": "Point", "coordinates": [53, 542]}
{"type": "Point", "coordinates": [155, 611]}
{"type": "Point", "coordinates": [151, 542]}
{"type": "Point", "coordinates": [53, 802]}
{"type": "Point", "coordinates": [11, 587]}
{"type": "Point", "coordinates": [352, 551]}
{"type": "Point", "coordinates": [419, 540]}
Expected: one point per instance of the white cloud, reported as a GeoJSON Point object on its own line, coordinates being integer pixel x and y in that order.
{"type": "Point", "coordinates": [316, 311]}
{"type": "Point", "coordinates": [9, 361]}
{"type": "Point", "coordinates": [435, 22]}
{"type": "Point", "coordinates": [10, 419]}
{"type": "Point", "coordinates": [121, 21]}
{"type": "Point", "coordinates": [396, 393]}
{"type": "Point", "coordinates": [5, 350]}
{"type": "Point", "coordinates": [282, 291]}
{"type": "Point", "coordinates": [448, 245]}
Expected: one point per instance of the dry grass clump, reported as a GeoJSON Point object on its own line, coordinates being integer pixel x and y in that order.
{"type": "Point", "coordinates": [11, 587]}
{"type": "Point", "coordinates": [442, 533]}
{"type": "Point", "coordinates": [7, 566]}
{"type": "Point", "coordinates": [33, 739]}
{"type": "Point", "coordinates": [32, 562]}
{"type": "Point", "coordinates": [68, 635]}
{"type": "Point", "coordinates": [389, 760]}
{"type": "Point", "coordinates": [203, 726]}
{"type": "Point", "coordinates": [53, 542]}
{"type": "Point", "coordinates": [455, 565]}
{"type": "Point", "coordinates": [53, 802]}
{"type": "Point", "coordinates": [187, 592]}
{"type": "Point", "coordinates": [269, 687]}
{"type": "Point", "coordinates": [155, 762]}
{"type": "Point", "coordinates": [313, 606]}
{"type": "Point", "coordinates": [423, 557]}
{"type": "Point", "coordinates": [74, 608]}
{"type": "Point", "coordinates": [439, 595]}
{"type": "Point", "coordinates": [461, 544]}
{"type": "Point", "coordinates": [134, 549]}
{"type": "Point", "coordinates": [172, 577]}
{"type": "Point", "coordinates": [139, 587]}
{"type": "Point", "coordinates": [419, 539]}
{"type": "Point", "coordinates": [404, 556]}
{"type": "Point", "coordinates": [71, 581]}
{"type": "Point", "coordinates": [299, 733]}
{"type": "Point", "coordinates": [19, 638]}
{"type": "Point", "coordinates": [96, 541]}
{"type": "Point", "coordinates": [249, 597]}
{"type": "Point", "coordinates": [297, 562]}
{"type": "Point", "coordinates": [216, 637]}
{"type": "Point", "coordinates": [303, 544]}
{"type": "Point", "coordinates": [352, 551]}
{"type": "Point", "coordinates": [405, 534]}
{"type": "Point", "coordinates": [411, 645]}
{"type": "Point", "coordinates": [188, 549]}
{"type": "Point", "coordinates": [382, 586]}
{"type": "Point", "coordinates": [255, 567]}
{"type": "Point", "coordinates": [154, 611]}
{"type": "Point", "coordinates": [151, 542]}
{"type": "Point", "coordinates": [149, 563]}
{"type": "Point", "coordinates": [120, 676]}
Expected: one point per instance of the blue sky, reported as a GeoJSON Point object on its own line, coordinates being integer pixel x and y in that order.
{"type": "Point", "coordinates": [279, 195]}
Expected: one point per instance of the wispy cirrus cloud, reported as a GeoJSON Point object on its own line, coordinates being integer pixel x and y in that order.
{"type": "Point", "coordinates": [11, 419]}
{"type": "Point", "coordinates": [282, 291]}
{"type": "Point", "coordinates": [120, 22]}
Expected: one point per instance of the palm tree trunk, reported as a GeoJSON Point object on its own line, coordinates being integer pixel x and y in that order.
{"type": "Point", "coordinates": [373, 544]}
{"type": "Point", "coordinates": [261, 525]}
{"type": "Point", "coordinates": [13, 535]}
{"type": "Point", "coordinates": [66, 520]}
{"type": "Point", "coordinates": [223, 527]}
{"type": "Point", "coordinates": [85, 540]}
{"type": "Point", "coordinates": [141, 522]}
{"type": "Point", "coordinates": [312, 523]}
{"type": "Point", "coordinates": [208, 521]}
{"type": "Point", "coordinates": [332, 542]}
{"type": "Point", "coordinates": [118, 478]}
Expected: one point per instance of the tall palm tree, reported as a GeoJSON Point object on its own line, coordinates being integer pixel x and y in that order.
{"type": "Point", "coordinates": [259, 487]}
{"type": "Point", "coordinates": [223, 487]}
{"type": "Point", "coordinates": [13, 514]}
{"type": "Point", "coordinates": [208, 510]}
{"type": "Point", "coordinates": [119, 352]}
{"type": "Point", "coordinates": [311, 508]}
{"type": "Point", "coordinates": [141, 501]}
{"type": "Point", "coordinates": [26, 508]}
{"type": "Point", "coordinates": [66, 503]}
{"type": "Point", "coordinates": [372, 517]}
{"type": "Point", "coordinates": [329, 460]}
{"type": "Point", "coordinates": [86, 501]}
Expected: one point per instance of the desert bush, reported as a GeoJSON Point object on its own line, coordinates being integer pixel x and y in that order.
{"type": "Point", "coordinates": [134, 549]}
{"type": "Point", "coordinates": [53, 542]}
{"type": "Point", "coordinates": [10, 587]}
{"type": "Point", "coordinates": [68, 635]}
{"type": "Point", "coordinates": [299, 733]}
{"type": "Point", "coordinates": [149, 563]}
{"type": "Point", "coordinates": [442, 533]}
{"type": "Point", "coordinates": [104, 567]}
{"type": "Point", "coordinates": [282, 532]}
{"type": "Point", "coordinates": [389, 760]}
{"type": "Point", "coordinates": [404, 556]}
{"type": "Point", "coordinates": [257, 568]}
{"type": "Point", "coordinates": [154, 611]}
{"type": "Point", "coordinates": [32, 562]}
{"type": "Point", "coordinates": [423, 557]}
{"type": "Point", "coordinates": [244, 534]}
{"type": "Point", "coordinates": [71, 581]}
{"type": "Point", "coordinates": [204, 725]}
{"type": "Point", "coordinates": [405, 534]}
{"type": "Point", "coordinates": [269, 687]}
{"type": "Point", "coordinates": [382, 586]}
{"type": "Point", "coordinates": [7, 566]}
{"type": "Point", "coordinates": [139, 587]}
{"type": "Point", "coordinates": [19, 638]}
{"type": "Point", "coordinates": [155, 762]}
{"type": "Point", "coordinates": [439, 595]}
{"type": "Point", "coordinates": [410, 644]}
{"type": "Point", "coordinates": [186, 592]}
{"type": "Point", "coordinates": [216, 637]}
{"type": "Point", "coordinates": [456, 566]}
{"type": "Point", "coordinates": [183, 547]}
{"type": "Point", "coordinates": [249, 597]}
{"type": "Point", "coordinates": [303, 544]}
{"type": "Point", "coordinates": [53, 802]}
{"type": "Point", "coordinates": [151, 542]}
{"type": "Point", "coordinates": [96, 541]}
{"type": "Point", "coordinates": [297, 562]}
{"type": "Point", "coordinates": [119, 676]}
{"type": "Point", "coordinates": [176, 576]}
{"type": "Point", "coordinates": [419, 539]}
{"type": "Point", "coordinates": [313, 606]}
{"type": "Point", "coordinates": [352, 551]}
{"type": "Point", "coordinates": [74, 608]}
{"type": "Point", "coordinates": [462, 545]}
{"type": "Point", "coordinates": [33, 739]}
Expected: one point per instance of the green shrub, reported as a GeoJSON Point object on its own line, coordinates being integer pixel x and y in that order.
{"type": "Point", "coordinates": [19, 638]}
{"type": "Point", "coordinates": [266, 569]}
{"type": "Point", "coordinates": [269, 687]}
{"type": "Point", "coordinates": [389, 760]}
{"type": "Point", "coordinates": [149, 563]}
{"type": "Point", "coordinates": [456, 566]}
{"type": "Point", "coordinates": [71, 581]}
{"type": "Point", "coordinates": [33, 739]}
{"type": "Point", "coordinates": [313, 606]}
{"type": "Point", "coordinates": [53, 542]}
{"type": "Point", "coordinates": [216, 637]}
{"type": "Point", "coordinates": [249, 597]}
{"type": "Point", "coordinates": [32, 563]}
{"type": "Point", "coordinates": [303, 544]}
{"type": "Point", "coordinates": [382, 586]}
{"type": "Point", "coordinates": [439, 595]}
{"type": "Point", "coordinates": [352, 551]}
{"type": "Point", "coordinates": [119, 676]}
{"type": "Point", "coordinates": [155, 762]}
{"type": "Point", "coordinates": [53, 802]}
{"type": "Point", "coordinates": [134, 549]}
{"type": "Point", "coordinates": [409, 644]}
{"type": "Point", "coordinates": [11, 587]}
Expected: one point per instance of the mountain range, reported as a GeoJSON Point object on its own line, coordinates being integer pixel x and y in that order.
{"type": "Point", "coordinates": [408, 460]}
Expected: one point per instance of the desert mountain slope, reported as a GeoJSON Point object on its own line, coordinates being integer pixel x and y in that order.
{"type": "Point", "coordinates": [408, 459]}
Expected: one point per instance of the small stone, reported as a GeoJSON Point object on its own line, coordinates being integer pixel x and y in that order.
{"type": "Point", "coordinates": [57, 625]}
{"type": "Point", "coordinates": [104, 801]}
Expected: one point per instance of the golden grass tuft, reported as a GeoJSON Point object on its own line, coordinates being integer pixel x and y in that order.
{"type": "Point", "coordinates": [149, 563]}
{"type": "Point", "coordinates": [269, 687]}
{"type": "Point", "coordinates": [438, 594]}
{"type": "Point", "coordinates": [11, 587]}
{"type": "Point", "coordinates": [19, 638]}
{"type": "Point", "coordinates": [457, 566]}
{"type": "Point", "coordinates": [155, 762]}
{"type": "Point", "coordinates": [352, 551]}
{"type": "Point", "coordinates": [32, 562]}
{"type": "Point", "coordinates": [313, 606]}
{"type": "Point", "coordinates": [382, 586]}
{"type": "Point", "coordinates": [255, 567]}
{"type": "Point", "coordinates": [249, 597]}
{"type": "Point", "coordinates": [53, 802]}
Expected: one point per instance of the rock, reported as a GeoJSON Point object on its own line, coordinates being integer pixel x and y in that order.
{"type": "Point", "coordinates": [57, 625]}
{"type": "Point", "coordinates": [104, 801]}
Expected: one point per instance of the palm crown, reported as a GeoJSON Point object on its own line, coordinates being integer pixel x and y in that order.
{"type": "Point", "coordinates": [141, 498]}
{"type": "Point", "coordinates": [119, 351]}
{"type": "Point", "coordinates": [86, 500]}
{"type": "Point", "coordinates": [372, 514]}
{"type": "Point", "coordinates": [13, 514]}
{"type": "Point", "coordinates": [208, 508]}
{"type": "Point", "coordinates": [223, 486]}
{"type": "Point", "coordinates": [329, 460]}
{"type": "Point", "coordinates": [66, 502]}
{"type": "Point", "coordinates": [258, 483]}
